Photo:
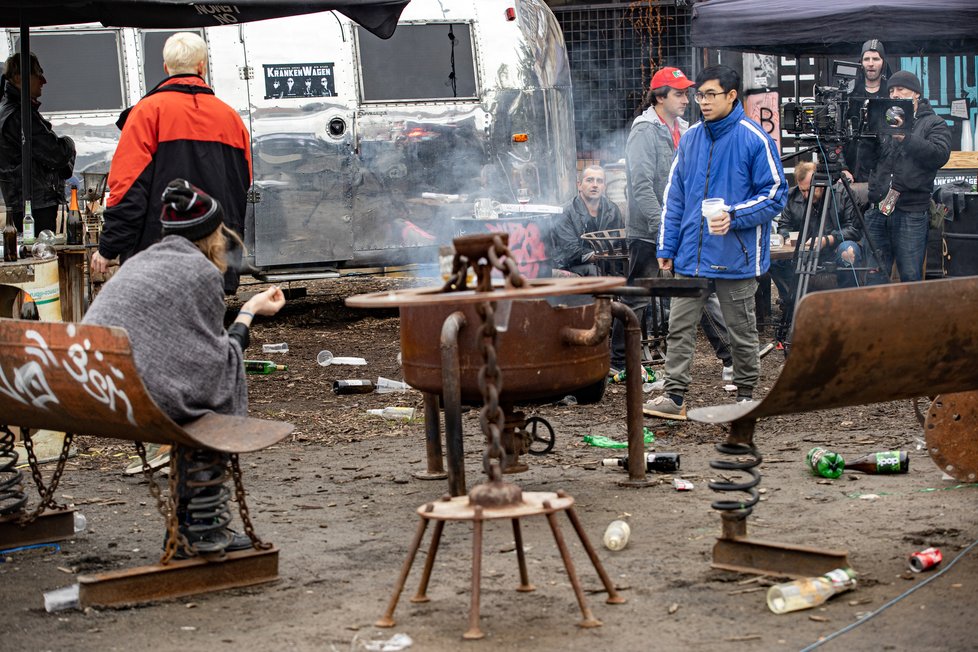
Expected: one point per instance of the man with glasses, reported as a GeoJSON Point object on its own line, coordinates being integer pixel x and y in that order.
{"type": "Point", "coordinates": [649, 152]}
{"type": "Point", "coordinates": [52, 157]}
{"type": "Point", "coordinates": [727, 157]}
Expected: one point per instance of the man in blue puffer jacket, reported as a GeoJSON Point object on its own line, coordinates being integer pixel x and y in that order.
{"type": "Point", "coordinates": [727, 156]}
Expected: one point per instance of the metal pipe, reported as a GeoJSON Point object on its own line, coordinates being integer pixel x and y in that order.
{"type": "Point", "coordinates": [452, 397]}
{"type": "Point", "coordinates": [432, 431]}
{"type": "Point", "coordinates": [594, 335]}
{"type": "Point", "coordinates": [633, 391]}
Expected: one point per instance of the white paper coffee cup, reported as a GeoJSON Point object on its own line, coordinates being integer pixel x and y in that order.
{"type": "Point", "coordinates": [712, 209]}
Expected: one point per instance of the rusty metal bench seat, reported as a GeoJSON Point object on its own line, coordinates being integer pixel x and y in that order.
{"type": "Point", "coordinates": [82, 379]}
{"type": "Point", "coordinates": [853, 347]}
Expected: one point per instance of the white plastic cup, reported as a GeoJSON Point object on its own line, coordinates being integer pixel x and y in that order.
{"type": "Point", "coordinates": [60, 599]}
{"type": "Point", "coordinates": [712, 208]}
{"type": "Point", "coordinates": [325, 358]}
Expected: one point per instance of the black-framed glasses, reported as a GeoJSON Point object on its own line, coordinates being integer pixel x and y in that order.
{"type": "Point", "coordinates": [708, 95]}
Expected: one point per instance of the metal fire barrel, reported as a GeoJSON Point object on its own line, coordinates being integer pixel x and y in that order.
{"type": "Point", "coordinates": [535, 361]}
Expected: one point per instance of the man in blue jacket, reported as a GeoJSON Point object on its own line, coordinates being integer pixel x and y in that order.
{"type": "Point", "coordinates": [727, 156]}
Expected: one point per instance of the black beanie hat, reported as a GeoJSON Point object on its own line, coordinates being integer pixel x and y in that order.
{"type": "Point", "coordinates": [906, 79]}
{"type": "Point", "coordinates": [189, 211]}
{"type": "Point", "coordinates": [875, 45]}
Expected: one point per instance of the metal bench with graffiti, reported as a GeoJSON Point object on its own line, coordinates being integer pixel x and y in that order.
{"type": "Point", "coordinates": [81, 379]}
{"type": "Point", "coordinates": [855, 347]}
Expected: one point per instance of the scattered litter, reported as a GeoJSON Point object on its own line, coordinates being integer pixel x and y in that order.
{"type": "Point", "coordinates": [34, 546]}
{"type": "Point", "coordinates": [657, 386]}
{"type": "Point", "coordinates": [393, 644]}
{"type": "Point", "coordinates": [606, 442]}
{"type": "Point", "coordinates": [682, 485]}
{"type": "Point", "coordinates": [568, 400]}
{"type": "Point", "coordinates": [869, 497]}
{"type": "Point", "coordinates": [279, 347]}
{"type": "Point", "coordinates": [386, 385]}
{"type": "Point", "coordinates": [60, 599]}
{"type": "Point", "coordinates": [325, 358]}
{"type": "Point", "coordinates": [673, 608]}
{"type": "Point", "coordinates": [730, 388]}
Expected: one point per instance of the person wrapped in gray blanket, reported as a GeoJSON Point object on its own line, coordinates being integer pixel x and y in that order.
{"type": "Point", "coordinates": [170, 300]}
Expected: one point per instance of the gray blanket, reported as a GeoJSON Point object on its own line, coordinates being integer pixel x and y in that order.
{"type": "Point", "coordinates": [170, 299]}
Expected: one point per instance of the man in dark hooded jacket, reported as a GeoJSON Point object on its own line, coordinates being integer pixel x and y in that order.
{"type": "Point", "coordinates": [870, 84]}
{"type": "Point", "coordinates": [588, 212]}
{"type": "Point", "coordinates": [52, 157]}
{"type": "Point", "coordinates": [901, 180]}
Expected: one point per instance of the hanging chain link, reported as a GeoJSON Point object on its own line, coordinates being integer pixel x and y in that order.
{"type": "Point", "coordinates": [166, 505]}
{"type": "Point", "coordinates": [491, 416]}
{"type": "Point", "coordinates": [46, 492]}
{"type": "Point", "coordinates": [239, 496]}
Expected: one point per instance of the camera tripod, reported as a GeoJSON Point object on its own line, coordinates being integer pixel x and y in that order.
{"type": "Point", "coordinates": [807, 259]}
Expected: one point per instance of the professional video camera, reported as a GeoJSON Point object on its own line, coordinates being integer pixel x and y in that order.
{"type": "Point", "coordinates": [824, 118]}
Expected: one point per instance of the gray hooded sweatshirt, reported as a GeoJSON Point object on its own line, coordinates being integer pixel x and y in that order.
{"type": "Point", "coordinates": [649, 153]}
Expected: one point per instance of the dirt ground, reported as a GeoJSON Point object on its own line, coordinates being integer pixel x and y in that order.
{"type": "Point", "coordinates": [338, 498]}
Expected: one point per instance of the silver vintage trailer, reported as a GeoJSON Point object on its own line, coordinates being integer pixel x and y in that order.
{"type": "Point", "coordinates": [366, 151]}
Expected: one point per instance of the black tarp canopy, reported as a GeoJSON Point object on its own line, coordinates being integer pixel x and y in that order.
{"type": "Point", "coordinates": [377, 16]}
{"type": "Point", "coordinates": [818, 27]}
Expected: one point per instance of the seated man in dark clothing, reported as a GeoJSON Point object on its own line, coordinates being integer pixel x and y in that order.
{"type": "Point", "coordinates": [839, 240]}
{"type": "Point", "coordinates": [588, 212]}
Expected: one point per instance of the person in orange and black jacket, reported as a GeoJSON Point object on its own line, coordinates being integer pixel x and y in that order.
{"type": "Point", "coordinates": [178, 130]}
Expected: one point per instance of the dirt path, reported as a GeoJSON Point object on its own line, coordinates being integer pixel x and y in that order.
{"type": "Point", "coordinates": [339, 500]}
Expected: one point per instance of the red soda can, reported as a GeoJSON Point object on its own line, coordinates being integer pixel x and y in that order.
{"type": "Point", "coordinates": [925, 559]}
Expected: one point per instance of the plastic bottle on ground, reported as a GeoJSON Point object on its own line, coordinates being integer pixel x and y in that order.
{"type": "Point", "coordinates": [60, 599]}
{"type": "Point", "coordinates": [280, 347]}
{"type": "Point", "coordinates": [405, 414]}
{"type": "Point", "coordinates": [616, 535]}
{"type": "Point", "coordinates": [825, 463]}
{"type": "Point", "coordinates": [386, 385]}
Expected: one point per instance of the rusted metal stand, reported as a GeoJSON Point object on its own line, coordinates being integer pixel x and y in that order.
{"type": "Point", "coordinates": [844, 353]}
{"type": "Point", "coordinates": [432, 431]}
{"type": "Point", "coordinates": [461, 509]}
{"type": "Point", "coordinates": [734, 550]}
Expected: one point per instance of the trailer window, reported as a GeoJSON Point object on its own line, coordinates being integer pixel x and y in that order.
{"type": "Point", "coordinates": [82, 70]}
{"type": "Point", "coordinates": [420, 62]}
{"type": "Point", "coordinates": [153, 41]}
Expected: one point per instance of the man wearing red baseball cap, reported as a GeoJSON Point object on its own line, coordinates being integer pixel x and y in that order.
{"type": "Point", "coordinates": [649, 151]}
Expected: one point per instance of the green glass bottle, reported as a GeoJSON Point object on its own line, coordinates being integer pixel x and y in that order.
{"type": "Point", "coordinates": [885, 462]}
{"type": "Point", "coordinates": [825, 463]}
{"type": "Point", "coordinates": [264, 367]}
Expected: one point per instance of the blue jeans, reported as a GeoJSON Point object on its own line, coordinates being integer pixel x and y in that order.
{"type": "Point", "coordinates": [900, 237]}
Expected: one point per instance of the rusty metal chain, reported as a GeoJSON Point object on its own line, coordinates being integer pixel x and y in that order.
{"type": "Point", "coordinates": [166, 505]}
{"type": "Point", "coordinates": [458, 281]}
{"type": "Point", "coordinates": [46, 492]}
{"type": "Point", "coordinates": [502, 259]}
{"type": "Point", "coordinates": [239, 497]}
{"type": "Point", "coordinates": [491, 416]}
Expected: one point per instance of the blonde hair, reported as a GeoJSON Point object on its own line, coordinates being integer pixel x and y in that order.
{"type": "Point", "coordinates": [215, 246]}
{"type": "Point", "coordinates": [802, 170]}
{"type": "Point", "coordinates": [183, 52]}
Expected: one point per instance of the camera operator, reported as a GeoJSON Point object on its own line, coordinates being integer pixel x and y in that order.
{"type": "Point", "coordinates": [901, 180]}
{"type": "Point", "coordinates": [870, 83]}
{"type": "Point", "coordinates": [840, 238]}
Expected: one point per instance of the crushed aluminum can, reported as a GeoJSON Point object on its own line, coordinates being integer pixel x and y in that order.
{"type": "Point", "coordinates": [682, 485]}
{"type": "Point", "coordinates": [925, 559]}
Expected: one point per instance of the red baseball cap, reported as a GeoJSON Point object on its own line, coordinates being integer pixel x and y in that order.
{"type": "Point", "coordinates": [672, 77]}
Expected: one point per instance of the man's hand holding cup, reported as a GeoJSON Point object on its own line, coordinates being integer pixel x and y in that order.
{"type": "Point", "coordinates": [717, 217]}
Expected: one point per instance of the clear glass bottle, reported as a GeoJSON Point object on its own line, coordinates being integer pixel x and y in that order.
{"type": "Point", "coordinates": [396, 413]}
{"type": "Point", "coordinates": [810, 591]}
{"type": "Point", "coordinates": [28, 224]}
